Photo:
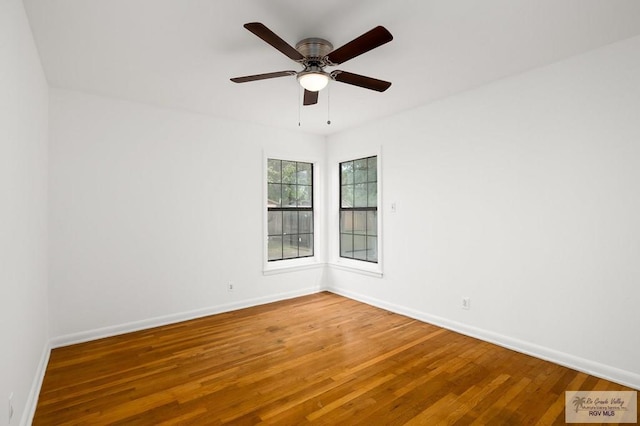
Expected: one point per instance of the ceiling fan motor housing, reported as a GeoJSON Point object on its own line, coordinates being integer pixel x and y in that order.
{"type": "Point", "coordinates": [314, 51]}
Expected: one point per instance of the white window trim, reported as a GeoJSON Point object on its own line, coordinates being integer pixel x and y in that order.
{"type": "Point", "coordinates": [291, 265]}
{"type": "Point", "coordinates": [359, 266]}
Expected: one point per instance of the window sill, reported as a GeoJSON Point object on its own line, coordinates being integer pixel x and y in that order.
{"type": "Point", "coordinates": [372, 270]}
{"type": "Point", "coordinates": [293, 265]}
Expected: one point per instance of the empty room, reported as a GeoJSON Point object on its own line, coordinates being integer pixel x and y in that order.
{"type": "Point", "coordinates": [340, 212]}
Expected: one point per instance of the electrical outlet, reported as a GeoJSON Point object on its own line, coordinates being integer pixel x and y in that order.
{"type": "Point", "coordinates": [230, 286]}
{"type": "Point", "coordinates": [466, 303]}
{"type": "Point", "coordinates": [10, 406]}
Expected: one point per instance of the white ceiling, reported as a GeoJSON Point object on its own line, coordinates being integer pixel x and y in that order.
{"type": "Point", "coordinates": [181, 53]}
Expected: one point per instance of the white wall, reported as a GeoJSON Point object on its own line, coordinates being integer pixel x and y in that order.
{"type": "Point", "coordinates": [523, 195]}
{"type": "Point", "coordinates": [153, 211]}
{"type": "Point", "coordinates": [23, 211]}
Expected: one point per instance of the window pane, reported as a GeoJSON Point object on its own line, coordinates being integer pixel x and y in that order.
{"type": "Point", "coordinates": [274, 197]}
{"type": "Point", "coordinates": [289, 195]}
{"type": "Point", "coordinates": [275, 223]}
{"type": "Point", "coordinates": [289, 209]}
{"type": "Point", "coordinates": [360, 167]}
{"type": "Point", "coordinates": [346, 222]}
{"type": "Point", "coordinates": [360, 222]}
{"type": "Point", "coordinates": [347, 196]}
{"type": "Point", "coordinates": [372, 249]}
{"type": "Point", "coordinates": [275, 248]}
{"type": "Point", "coordinates": [306, 245]}
{"type": "Point", "coordinates": [372, 194]}
{"type": "Point", "coordinates": [289, 222]}
{"type": "Point", "coordinates": [290, 246]}
{"type": "Point", "coordinates": [372, 223]}
{"type": "Point", "coordinates": [360, 195]}
{"type": "Point", "coordinates": [358, 209]}
{"type": "Point", "coordinates": [273, 171]}
{"type": "Point", "coordinates": [305, 222]}
{"type": "Point", "coordinates": [346, 245]}
{"type": "Point", "coordinates": [304, 196]}
{"type": "Point", "coordinates": [304, 173]}
{"type": "Point", "coordinates": [360, 247]}
{"type": "Point", "coordinates": [288, 172]}
{"type": "Point", "coordinates": [372, 169]}
{"type": "Point", "coordinates": [346, 173]}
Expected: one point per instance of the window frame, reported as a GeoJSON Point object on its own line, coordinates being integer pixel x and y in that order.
{"type": "Point", "coordinates": [349, 264]}
{"type": "Point", "coordinates": [284, 265]}
{"type": "Point", "coordinates": [353, 209]}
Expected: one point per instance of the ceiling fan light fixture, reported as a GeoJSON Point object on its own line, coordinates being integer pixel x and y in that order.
{"type": "Point", "coordinates": [313, 81]}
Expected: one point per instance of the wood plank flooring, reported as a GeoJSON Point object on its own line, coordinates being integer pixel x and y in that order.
{"type": "Point", "coordinates": [318, 359]}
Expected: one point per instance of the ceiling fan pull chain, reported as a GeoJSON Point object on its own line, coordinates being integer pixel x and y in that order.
{"type": "Point", "coordinates": [328, 106]}
{"type": "Point", "coordinates": [299, 102]}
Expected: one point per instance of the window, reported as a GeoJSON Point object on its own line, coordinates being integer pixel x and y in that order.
{"type": "Point", "coordinates": [289, 209]}
{"type": "Point", "coordinates": [359, 209]}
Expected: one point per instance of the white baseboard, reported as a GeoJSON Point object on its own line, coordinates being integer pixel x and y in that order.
{"type": "Point", "coordinates": [85, 336]}
{"type": "Point", "coordinates": [596, 369]}
{"type": "Point", "coordinates": [36, 385]}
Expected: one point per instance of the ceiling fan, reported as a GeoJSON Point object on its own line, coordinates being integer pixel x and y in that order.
{"type": "Point", "coordinates": [314, 54]}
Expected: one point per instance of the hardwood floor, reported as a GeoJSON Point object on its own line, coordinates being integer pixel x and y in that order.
{"type": "Point", "coordinates": [318, 359]}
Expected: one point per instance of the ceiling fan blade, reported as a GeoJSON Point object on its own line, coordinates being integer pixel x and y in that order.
{"type": "Point", "coordinates": [270, 37]}
{"type": "Point", "coordinates": [361, 81]}
{"type": "Point", "coordinates": [310, 98]}
{"type": "Point", "coordinates": [366, 42]}
{"type": "Point", "coordinates": [262, 76]}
